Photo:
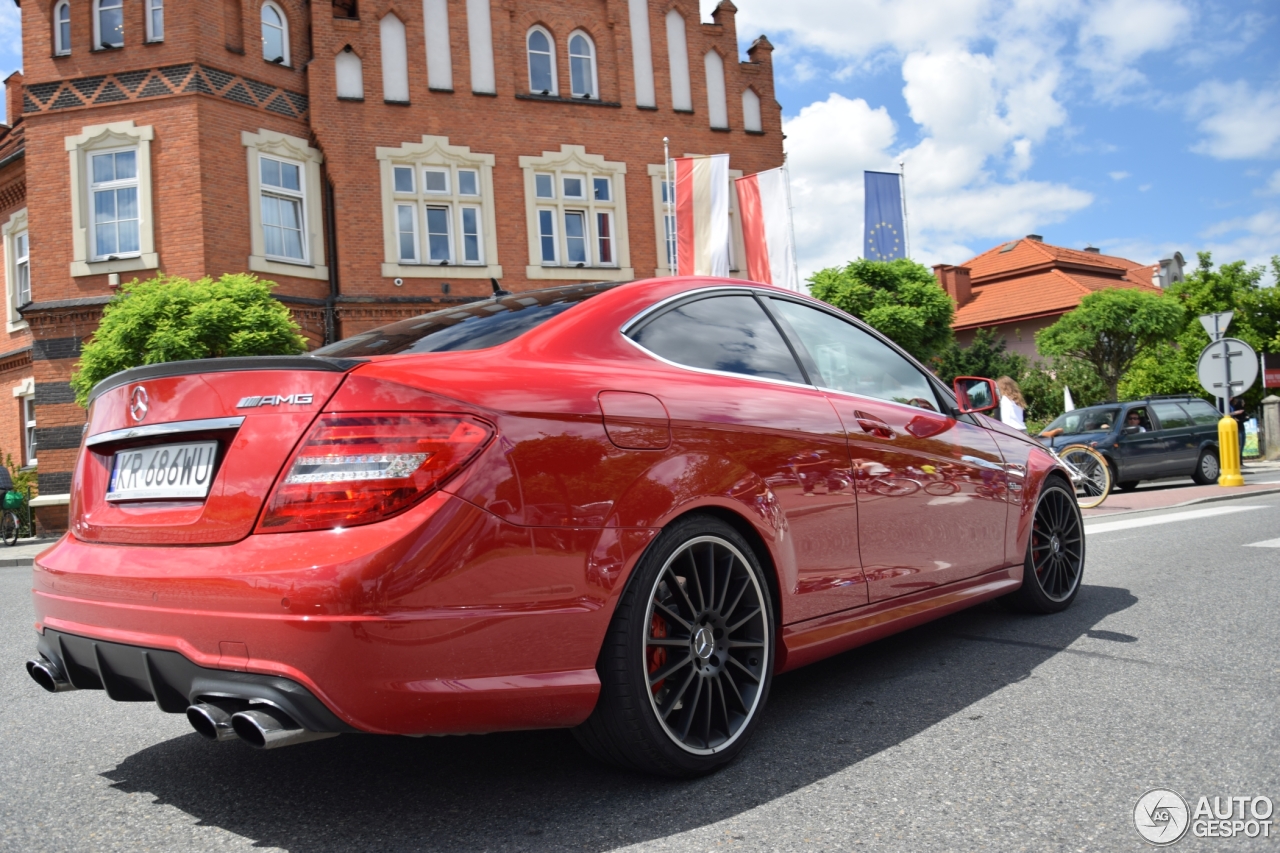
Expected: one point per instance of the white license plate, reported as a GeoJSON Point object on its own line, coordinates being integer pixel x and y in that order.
{"type": "Point", "coordinates": [163, 471]}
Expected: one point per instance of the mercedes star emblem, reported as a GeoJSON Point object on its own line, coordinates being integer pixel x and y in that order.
{"type": "Point", "coordinates": [138, 403]}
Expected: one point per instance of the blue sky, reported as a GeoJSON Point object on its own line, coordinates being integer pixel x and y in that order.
{"type": "Point", "coordinates": [1139, 126]}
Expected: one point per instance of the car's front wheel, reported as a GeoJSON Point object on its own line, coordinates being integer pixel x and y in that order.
{"type": "Point", "coordinates": [1054, 564]}
{"type": "Point", "coordinates": [1207, 467]}
{"type": "Point", "coordinates": [686, 665]}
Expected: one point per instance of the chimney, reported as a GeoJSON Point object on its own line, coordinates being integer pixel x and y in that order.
{"type": "Point", "coordinates": [955, 281]}
{"type": "Point", "coordinates": [1093, 250]}
{"type": "Point", "coordinates": [1035, 237]}
{"type": "Point", "coordinates": [13, 97]}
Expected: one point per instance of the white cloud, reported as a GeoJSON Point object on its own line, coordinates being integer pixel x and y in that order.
{"type": "Point", "coordinates": [1115, 34]}
{"type": "Point", "coordinates": [1118, 176]}
{"type": "Point", "coordinates": [1238, 121]}
{"type": "Point", "coordinates": [1273, 185]}
{"type": "Point", "coordinates": [1254, 239]}
{"type": "Point", "coordinates": [951, 200]}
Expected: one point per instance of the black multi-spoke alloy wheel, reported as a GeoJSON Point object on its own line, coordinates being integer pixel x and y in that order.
{"type": "Point", "coordinates": [1055, 555]}
{"type": "Point", "coordinates": [1207, 468]}
{"type": "Point", "coordinates": [686, 665]}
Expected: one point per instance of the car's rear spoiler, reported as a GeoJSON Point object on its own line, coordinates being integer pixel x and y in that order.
{"type": "Point", "coordinates": [223, 365]}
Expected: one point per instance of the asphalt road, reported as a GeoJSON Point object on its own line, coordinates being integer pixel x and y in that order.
{"type": "Point", "coordinates": [983, 731]}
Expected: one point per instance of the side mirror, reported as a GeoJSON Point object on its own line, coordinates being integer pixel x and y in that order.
{"type": "Point", "coordinates": [975, 394]}
{"type": "Point", "coordinates": [1131, 430]}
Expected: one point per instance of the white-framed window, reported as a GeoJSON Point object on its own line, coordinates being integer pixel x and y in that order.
{"type": "Point", "coordinates": [283, 200]}
{"type": "Point", "coordinates": [542, 62]}
{"type": "Point", "coordinates": [108, 23]}
{"type": "Point", "coordinates": [17, 267]}
{"type": "Point", "coordinates": [113, 192]}
{"type": "Point", "coordinates": [576, 210]}
{"type": "Point", "coordinates": [583, 82]}
{"type": "Point", "coordinates": [62, 28]}
{"type": "Point", "coordinates": [27, 404]}
{"type": "Point", "coordinates": [285, 212]}
{"type": "Point", "coordinates": [275, 34]}
{"type": "Point", "coordinates": [439, 210]}
{"type": "Point", "coordinates": [111, 222]}
{"type": "Point", "coordinates": [155, 20]}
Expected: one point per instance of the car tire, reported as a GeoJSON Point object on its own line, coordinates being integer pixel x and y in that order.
{"type": "Point", "coordinates": [1127, 486]}
{"type": "Point", "coordinates": [1054, 565]}
{"type": "Point", "coordinates": [1207, 467]}
{"type": "Point", "coordinates": [699, 582]}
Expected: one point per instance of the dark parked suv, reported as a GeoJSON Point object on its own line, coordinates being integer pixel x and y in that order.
{"type": "Point", "coordinates": [1147, 439]}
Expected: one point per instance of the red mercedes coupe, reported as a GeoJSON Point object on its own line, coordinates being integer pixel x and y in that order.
{"type": "Point", "coordinates": [620, 508]}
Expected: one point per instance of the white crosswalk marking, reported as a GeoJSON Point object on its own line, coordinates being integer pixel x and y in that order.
{"type": "Point", "coordinates": [1129, 523]}
{"type": "Point", "coordinates": [1270, 543]}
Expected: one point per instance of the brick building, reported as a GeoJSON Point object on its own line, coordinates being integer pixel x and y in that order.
{"type": "Point", "coordinates": [1022, 286]}
{"type": "Point", "coordinates": [376, 159]}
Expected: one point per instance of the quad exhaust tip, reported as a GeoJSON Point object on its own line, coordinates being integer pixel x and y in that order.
{"type": "Point", "coordinates": [265, 727]}
{"type": "Point", "coordinates": [48, 675]}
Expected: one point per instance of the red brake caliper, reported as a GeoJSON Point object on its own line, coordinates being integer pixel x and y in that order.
{"type": "Point", "coordinates": [657, 654]}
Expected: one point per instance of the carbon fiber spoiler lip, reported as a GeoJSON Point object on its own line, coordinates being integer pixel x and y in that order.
{"type": "Point", "coordinates": [224, 365]}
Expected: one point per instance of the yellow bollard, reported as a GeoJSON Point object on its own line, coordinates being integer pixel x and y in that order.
{"type": "Point", "coordinates": [1229, 453]}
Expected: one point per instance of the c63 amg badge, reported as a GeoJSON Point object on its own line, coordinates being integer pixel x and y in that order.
{"type": "Point", "coordinates": [276, 400]}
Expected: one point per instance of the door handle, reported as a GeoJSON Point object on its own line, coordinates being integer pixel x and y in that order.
{"type": "Point", "coordinates": [874, 426]}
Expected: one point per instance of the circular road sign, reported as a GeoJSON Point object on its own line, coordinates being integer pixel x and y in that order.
{"type": "Point", "coordinates": [1212, 368]}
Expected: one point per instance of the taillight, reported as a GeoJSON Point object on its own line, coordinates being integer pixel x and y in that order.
{"type": "Point", "coordinates": [358, 469]}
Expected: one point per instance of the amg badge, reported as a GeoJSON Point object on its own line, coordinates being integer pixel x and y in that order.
{"type": "Point", "coordinates": [277, 400]}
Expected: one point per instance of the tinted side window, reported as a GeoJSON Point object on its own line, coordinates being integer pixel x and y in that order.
{"type": "Point", "coordinates": [1201, 412]}
{"type": "Point", "coordinates": [1171, 415]}
{"type": "Point", "coordinates": [851, 360]}
{"type": "Point", "coordinates": [727, 333]}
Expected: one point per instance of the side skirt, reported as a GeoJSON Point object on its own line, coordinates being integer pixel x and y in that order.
{"type": "Point", "coordinates": [814, 639]}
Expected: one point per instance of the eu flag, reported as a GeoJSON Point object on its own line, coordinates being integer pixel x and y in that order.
{"type": "Point", "coordinates": [883, 226]}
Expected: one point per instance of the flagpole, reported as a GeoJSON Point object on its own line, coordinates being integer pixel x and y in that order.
{"type": "Point", "coordinates": [791, 224]}
{"type": "Point", "coordinates": [668, 191]}
{"type": "Point", "coordinates": [906, 230]}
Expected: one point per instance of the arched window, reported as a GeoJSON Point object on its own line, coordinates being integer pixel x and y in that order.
{"type": "Point", "coordinates": [751, 111]}
{"type": "Point", "coordinates": [108, 23]}
{"type": "Point", "coordinates": [582, 67]}
{"type": "Point", "coordinates": [275, 34]}
{"type": "Point", "coordinates": [349, 71]}
{"type": "Point", "coordinates": [62, 28]}
{"type": "Point", "coordinates": [542, 62]}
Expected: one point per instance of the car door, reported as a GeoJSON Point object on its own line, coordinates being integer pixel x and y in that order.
{"type": "Point", "coordinates": [744, 410]}
{"type": "Point", "coordinates": [931, 503]}
{"type": "Point", "coordinates": [1139, 454]}
{"type": "Point", "coordinates": [1177, 439]}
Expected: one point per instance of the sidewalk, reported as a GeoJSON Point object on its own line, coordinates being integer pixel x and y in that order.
{"type": "Point", "coordinates": [1260, 478]}
{"type": "Point", "coordinates": [22, 554]}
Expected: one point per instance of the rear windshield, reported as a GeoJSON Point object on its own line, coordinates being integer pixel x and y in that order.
{"type": "Point", "coordinates": [475, 326]}
{"type": "Point", "coordinates": [1100, 419]}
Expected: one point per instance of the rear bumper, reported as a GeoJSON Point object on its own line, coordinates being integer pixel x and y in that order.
{"type": "Point", "coordinates": [443, 620]}
{"type": "Point", "coordinates": [136, 674]}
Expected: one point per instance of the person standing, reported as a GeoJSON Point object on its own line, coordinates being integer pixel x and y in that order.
{"type": "Point", "coordinates": [1012, 404]}
{"type": "Point", "coordinates": [1238, 413]}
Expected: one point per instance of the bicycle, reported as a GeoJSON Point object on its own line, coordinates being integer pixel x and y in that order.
{"type": "Point", "coordinates": [10, 527]}
{"type": "Point", "coordinates": [1090, 473]}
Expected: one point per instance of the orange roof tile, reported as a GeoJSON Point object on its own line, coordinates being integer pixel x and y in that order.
{"type": "Point", "coordinates": [1021, 254]}
{"type": "Point", "coordinates": [1034, 295]}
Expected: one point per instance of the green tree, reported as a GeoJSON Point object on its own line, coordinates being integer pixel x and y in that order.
{"type": "Point", "coordinates": [1110, 328]}
{"type": "Point", "coordinates": [901, 299]}
{"type": "Point", "coordinates": [173, 319]}
{"type": "Point", "coordinates": [985, 355]}
{"type": "Point", "coordinates": [1042, 387]}
{"type": "Point", "coordinates": [1170, 367]}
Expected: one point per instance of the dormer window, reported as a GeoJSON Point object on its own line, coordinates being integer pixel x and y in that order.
{"type": "Point", "coordinates": [108, 21]}
{"type": "Point", "coordinates": [62, 29]}
{"type": "Point", "coordinates": [542, 62]}
{"type": "Point", "coordinates": [275, 34]}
